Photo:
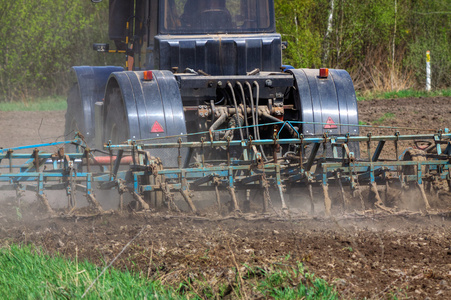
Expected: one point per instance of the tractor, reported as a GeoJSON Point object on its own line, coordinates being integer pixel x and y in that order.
{"type": "Point", "coordinates": [204, 70]}
{"type": "Point", "coordinates": [204, 103]}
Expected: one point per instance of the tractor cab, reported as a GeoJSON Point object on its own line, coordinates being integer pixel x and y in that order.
{"type": "Point", "coordinates": [216, 16]}
{"type": "Point", "coordinates": [218, 37]}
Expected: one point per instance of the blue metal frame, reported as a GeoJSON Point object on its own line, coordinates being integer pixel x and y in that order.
{"type": "Point", "coordinates": [249, 173]}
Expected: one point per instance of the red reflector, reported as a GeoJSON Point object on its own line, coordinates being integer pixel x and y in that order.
{"type": "Point", "coordinates": [148, 75]}
{"type": "Point", "coordinates": [156, 128]}
{"type": "Point", "coordinates": [330, 124]}
{"type": "Point", "coordinates": [323, 73]}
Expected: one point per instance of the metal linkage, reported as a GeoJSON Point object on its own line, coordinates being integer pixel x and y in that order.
{"type": "Point", "coordinates": [40, 172]}
{"type": "Point", "coordinates": [312, 170]}
{"type": "Point", "coordinates": [133, 168]}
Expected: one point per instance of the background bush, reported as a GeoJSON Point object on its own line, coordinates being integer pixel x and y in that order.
{"type": "Point", "coordinates": [41, 39]}
{"type": "Point", "coordinates": [382, 43]}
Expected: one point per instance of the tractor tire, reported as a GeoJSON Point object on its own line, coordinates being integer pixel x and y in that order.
{"type": "Point", "coordinates": [115, 127]}
{"type": "Point", "coordinates": [75, 116]}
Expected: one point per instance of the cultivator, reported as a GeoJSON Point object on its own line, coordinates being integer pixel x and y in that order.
{"type": "Point", "coordinates": [252, 166]}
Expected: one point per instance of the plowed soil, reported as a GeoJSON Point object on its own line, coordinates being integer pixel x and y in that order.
{"type": "Point", "coordinates": [376, 256]}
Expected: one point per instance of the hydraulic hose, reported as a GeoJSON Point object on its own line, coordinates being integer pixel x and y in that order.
{"type": "Point", "coordinates": [256, 107]}
{"type": "Point", "coordinates": [218, 122]}
{"type": "Point", "coordinates": [236, 109]}
{"type": "Point", "coordinates": [243, 96]}
{"type": "Point", "coordinates": [252, 107]}
{"type": "Point", "coordinates": [256, 117]}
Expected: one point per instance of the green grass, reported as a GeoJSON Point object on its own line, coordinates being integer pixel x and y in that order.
{"type": "Point", "coordinates": [385, 117]}
{"type": "Point", "coordinates": [38, 104]}
{"type": "Point", "coordinates": [29, 273]}
{"type": "Point", "coordinates": [288, 282]}
{"type": "Point", "coordinates": [59, 102]}
{"type": "Point", "coordinates": [361, 96]}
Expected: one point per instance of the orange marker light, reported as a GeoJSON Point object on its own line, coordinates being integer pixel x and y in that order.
{"type": "Point", "coordinates": [148, 75]}
{"type": "Point", "coordinates": [323, 73]}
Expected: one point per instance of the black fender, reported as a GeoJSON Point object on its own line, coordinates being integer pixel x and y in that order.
{"type": "Point", "coordinates": [144, 105]}
{"type": "Point", "coordinates": [321, 99]}
{"type": "Point", "coordinates": [91, 82]}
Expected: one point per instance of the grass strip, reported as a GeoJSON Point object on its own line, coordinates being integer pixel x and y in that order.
{"type": "Point", "coordinates": [362, 96]}
{"type": "Point", "coordinates": [39, 104]}
{"type": "Point", "coordinates": [51, 103]}
{"type": "Point", "coordinates": [27, 272]}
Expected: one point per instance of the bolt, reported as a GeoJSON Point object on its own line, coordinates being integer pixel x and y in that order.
{"type": "Point", "coordinates": [268, 82]}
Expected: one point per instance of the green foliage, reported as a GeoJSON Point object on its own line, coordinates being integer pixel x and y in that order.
{"type": "Point", "coordinates": [291, 282]}
{"type": "Point", "coordinates": [382, 43]}
{"type": "Point", "coordinates": [430, 29]}
{"type": "Point", "coordinates": [42, 39]}
{"type": "Point", "coordinates": [296, 24]}
{"type": "Point", "coordinates": [385, 117]}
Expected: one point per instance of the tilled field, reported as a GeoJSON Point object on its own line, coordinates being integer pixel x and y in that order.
{"type": "Point", "coordinates": [376, 256]}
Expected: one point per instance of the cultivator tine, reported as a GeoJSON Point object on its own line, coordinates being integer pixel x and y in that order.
{"type": "Point", "coordinates": [284, 205]}
{"type": "Point", "coordinates": [43, 199]}
{"type": "Point", "coordinates": [359, 194]}
{"type": "Point", "coordinates": [423, 196]}
{"type": "Point", "coordinates": [166, 189]}
{"type": "Point", "coordinates": [93, 202]}
{"type": "Point", "coordinates": [218, 198]}
{"type": "Point", "coordinates": [232, 193]}
{"type": "Point", "coordinates": [281, 189]}
{"type": "Point", "coordinates": [71, 200]}
{"type": "Point", "coordinates": [19, 194]}
{"type": "Point", "coordinates": [121, 202]}
{"type": "Point", "coordinates": [266, 196]}
{"type": "Point", "coordinates": [247, 201]}
{"type": "Point", "coordinates": [345, 201]}
{"type": "Point", "coordinates": [373, 187]}
{"type": "Point", "coordinates": [140, 200]}
{"type": "Point", "coordinates": [121, 190]}
{"type": "Point", "coordinates": [312, 205]}
{"type": "Point", "coordinates": [379, 203]}
{"type": "Point", "coordinates": [327, 201]}
{"type": "Point", "coordinates": [187, 196]}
